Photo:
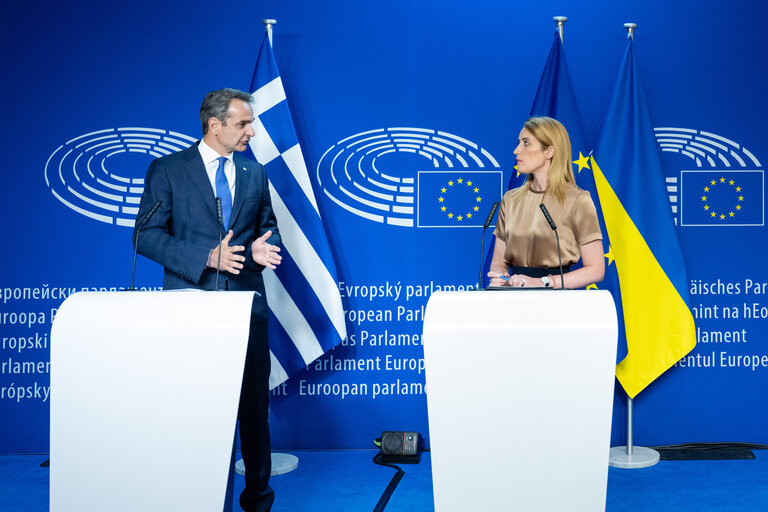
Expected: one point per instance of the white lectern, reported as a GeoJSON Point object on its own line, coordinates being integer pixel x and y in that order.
{"type": "Point", "coordinates": [139, 381]}
{"type": "Point", "coordinates": [520, 391]}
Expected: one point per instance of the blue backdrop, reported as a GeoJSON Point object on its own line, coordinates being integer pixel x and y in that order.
{"type": "Point", "coordinates": [462, 79]}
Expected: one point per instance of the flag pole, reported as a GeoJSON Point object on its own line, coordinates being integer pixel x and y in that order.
{"type": "Point", "coordinates": [560, 20]}
{"type": "Point", "coordinates": [281, 462]}
{"type": "Point", "coordinates": [630, 30]}
{"type": "Point", "coordinates": [630, 456]}
{"type": "Point", "coordinates": [268, 24]}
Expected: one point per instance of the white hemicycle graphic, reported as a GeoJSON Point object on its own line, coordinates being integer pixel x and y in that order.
{"type": "Point", "coordinates": [353, 174]}
{"type": "Point", "coordinates": [701, 147]}
{"type": "Point", "coordinates": [79, 173]}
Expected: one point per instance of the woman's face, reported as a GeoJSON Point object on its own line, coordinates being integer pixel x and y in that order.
{"type": "Point", "coordinates": [531, 157]}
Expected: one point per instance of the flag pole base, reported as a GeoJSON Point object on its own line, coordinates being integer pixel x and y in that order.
{"type": "Point", "coordinates": [640, 458]}
{"type": "Point", "coordinates": [281, 463]}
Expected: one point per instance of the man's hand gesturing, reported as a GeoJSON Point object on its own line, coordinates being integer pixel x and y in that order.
{"type": "Point", "coordinates": [231, 261]}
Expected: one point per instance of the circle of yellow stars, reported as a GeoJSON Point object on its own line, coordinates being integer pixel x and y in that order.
{"type": "Point", "coordinates": [710, 189]}
{"type": "Point", "coordinates": [461, 216]}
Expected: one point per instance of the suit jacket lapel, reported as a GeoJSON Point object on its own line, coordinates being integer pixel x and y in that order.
{"type": "Point", "coordinates": [198, 176]}
{"type": "Point", "coordinates": [241, 188]}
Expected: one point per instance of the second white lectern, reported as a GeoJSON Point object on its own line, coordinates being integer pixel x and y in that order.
{"type": "Point", "coordinates": [144, 395]}
{"type": "Point", "coordinates": [520, 391]}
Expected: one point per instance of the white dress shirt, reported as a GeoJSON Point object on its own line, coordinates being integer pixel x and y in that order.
{"type": "Point", "coordinates": [211, 161]}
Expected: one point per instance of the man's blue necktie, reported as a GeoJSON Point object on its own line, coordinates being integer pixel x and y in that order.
{"type": "Point", "coordinates": [223, 191]}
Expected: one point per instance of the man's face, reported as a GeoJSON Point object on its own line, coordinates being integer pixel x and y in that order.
{"type": "Point", "coordinates": [235, 134]}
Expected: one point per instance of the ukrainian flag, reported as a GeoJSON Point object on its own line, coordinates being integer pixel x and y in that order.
{"type": "Point", "coordinates": [627, 169]}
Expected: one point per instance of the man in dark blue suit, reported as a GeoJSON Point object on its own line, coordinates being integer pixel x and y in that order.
{"type": "Point", "coordinates": [183, 236]}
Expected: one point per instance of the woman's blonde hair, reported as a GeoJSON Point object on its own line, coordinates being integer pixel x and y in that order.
{"type": "Point", "coordinates": [551, 132]}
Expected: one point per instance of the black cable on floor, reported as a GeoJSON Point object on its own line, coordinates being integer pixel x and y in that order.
{"type": "Point", "coordinates": [712, 446]}
{"type": "Point", "coordinates": [392, 483]}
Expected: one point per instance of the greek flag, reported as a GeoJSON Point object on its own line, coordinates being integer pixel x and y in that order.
{"type": "Point", "coordinates": [306, 316]}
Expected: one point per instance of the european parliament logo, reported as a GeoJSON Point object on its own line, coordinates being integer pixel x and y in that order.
{"type": "Point", "coordinates": [92, 173]}
{"type": "Point", "coordinates": [727, 186]}
{"type": "Point", "coordinates": [411, 177]}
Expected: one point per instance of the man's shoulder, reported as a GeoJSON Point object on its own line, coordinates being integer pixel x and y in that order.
{"type": "Point", "coordinates": [180, 156]}
{"type": "Point", "coordinates": [249, 169]}
{"type": "Point", "coordinates": [243, 162]}
{"type": "Point", "coordinates": [176, 162]}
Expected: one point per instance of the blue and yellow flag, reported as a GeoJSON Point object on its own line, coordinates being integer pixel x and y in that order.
{"type": "Point", "coordinates": [658, 323]}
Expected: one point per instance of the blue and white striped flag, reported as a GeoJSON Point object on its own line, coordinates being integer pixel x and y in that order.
{"type": "Point", "coordinates": [306, 316]}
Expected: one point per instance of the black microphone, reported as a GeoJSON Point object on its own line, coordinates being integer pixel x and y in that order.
{"type": "Point", "coordinates": [482, 242]}
{"type": "Point", "coordinates": [548, 216]}
{"type": "Point", "coordinates": [557, 237]}
{"type": "Point", "coordinates": [140, 223]}
{"type": "Point", "coordinates": [219, 216]}
{"type": "Point", "coordinates": [220, 226]}
{"type": "Point", "coordinates": [490, 215]}
{"type": "Point", "coordinates": [139, 227]}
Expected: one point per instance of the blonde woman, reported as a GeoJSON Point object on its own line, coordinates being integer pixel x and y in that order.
{"type": "Point", "coordinates": [526, 251]}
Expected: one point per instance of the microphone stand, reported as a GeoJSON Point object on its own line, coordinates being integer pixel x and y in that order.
{"type": "Point", "coordinates": [560, 261]}
{"type": "Point", "coordinates": [482, 243]}
{"type": "Point", "coordinates": [557, 238]}
{"type": "Point", "coordinates": [141, 227]}
{"type": "Point", "coordinates": [220, 228]}
{"type": "Point", "coordinates": [135, 251]}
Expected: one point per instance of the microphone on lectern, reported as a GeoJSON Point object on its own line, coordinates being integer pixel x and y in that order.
{"type": "Point", "coordinates": [220, 226]}
{"type": "Point", "coordinates": [490, 215]}
{"type": "Point", "coordinates": [557, 237]}
{"type": "Point", "coordinates": [482, 242]}
{"type": "Point", "coordinates": [139, 228]}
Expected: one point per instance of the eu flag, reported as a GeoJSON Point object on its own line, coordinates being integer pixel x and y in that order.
{"type": "Point", "coordinates": [722, 198]}
{"type": "Point", "coordinates": [456, 198]}
{"type": "Point", "coordinates": [658, 323]}
{"type": "Point", "coordinates": [555, 98]}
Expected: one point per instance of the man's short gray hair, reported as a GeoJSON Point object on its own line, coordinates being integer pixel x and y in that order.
{"type": "Point", "coordinates": [216, 104]}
